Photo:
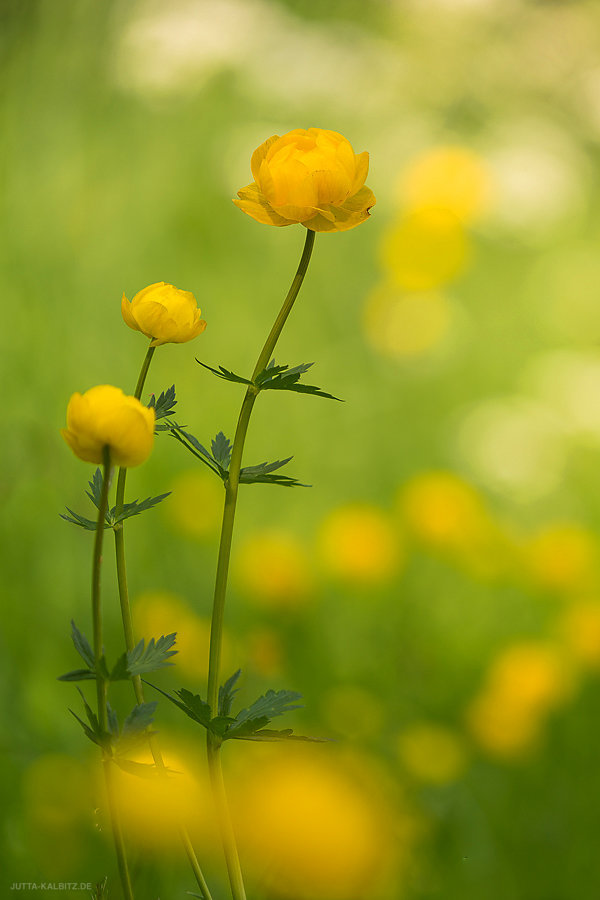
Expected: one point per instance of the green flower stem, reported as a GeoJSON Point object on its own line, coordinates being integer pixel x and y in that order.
{"type": "Point", "coordinates": [128, 631]}
{"type": "Point", "coordinates": [216, 632]}
{"type": "Point", "coordinates": [101, 685]}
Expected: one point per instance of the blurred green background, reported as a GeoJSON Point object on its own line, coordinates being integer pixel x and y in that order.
{"type": "Point", "coordinates": [435, 593]}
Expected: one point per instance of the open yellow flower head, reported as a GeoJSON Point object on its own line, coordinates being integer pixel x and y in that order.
{"type": "Point", "coordinates": [309, 176]}
{"type": "Point", "coordinates": [164, 313]}
{"type": "Point", "coordinates": [105, 416]}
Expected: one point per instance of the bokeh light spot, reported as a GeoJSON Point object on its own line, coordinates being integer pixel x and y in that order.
{"type": "Point", "coordinates": [451, 178]}
{"type": "Point", "coordinates": [405, 326]}
{"type": "Point", "coordinates": [358, 543]}
{"type": "Point", "coordinates": [425, 250]}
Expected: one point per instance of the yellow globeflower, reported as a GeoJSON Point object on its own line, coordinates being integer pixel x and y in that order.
{"type": "Point", "coordinates": [164, 313]}
{"type": "Point", "coordinates": [358, 543]}
{"type": "Point", "coordinates": [105, 417]}
{"type": "Point", "coordinates": [312, 177]}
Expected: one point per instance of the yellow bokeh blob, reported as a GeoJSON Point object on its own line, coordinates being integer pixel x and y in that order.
{"type": "Point", "coordinates": [358, 543]}
{"type": "Point", "coordinates": [442, 510]}
{"type": "Point", "coordinates": [451, 178]}
{"type": "Point", "coordinates": [425, 249]}
{"type": "Point", "coordinates": [579, 629]}
{"type": "Point", "coordinates": [160, 612]}
{"type": "Point", "coordinates": [447, 514]}
{"type": "Point", "coordinates": [309, 828]}
{"type": "Point", "coordinates": [274, 569]}
{"type": "Point", "coordinates": [524, 683]}
{"type": "Point", "coordinates": [195, 506]}
{"type": "Point", "coordinates": [432, 753]}
{"type": "Point", "coordinates": [405, 326]}
{"type": "Point", "coordinates": [562, 557]}
{"type": "Point", "coordinates": [154, 806]}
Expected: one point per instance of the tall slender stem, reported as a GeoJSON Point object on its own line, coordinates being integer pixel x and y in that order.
{"type": "Point", "coordinates": [129, 632]}
{"type": "Point", "coordinates": [101, 688]}
{"type": "Point", "coordinates": [218, 614]}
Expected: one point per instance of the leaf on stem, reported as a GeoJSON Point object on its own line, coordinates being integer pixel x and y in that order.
{"type": "Point", "coordinates": [165, 404]}
{"type": "Point", "coordinates": [284, 378]}
{"type": "Point", "coordinates": [143, 659]}
{"type": "Point", "coordinates": [227, 692]}
{"type": "Point", "coordinates": [225, 374]}
{"type": "Point", "coordinates": [114, 515]}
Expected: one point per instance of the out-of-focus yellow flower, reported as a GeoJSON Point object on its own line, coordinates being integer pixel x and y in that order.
{"type": "Point", "coordinates": [447, 514]}
{"type": "Point", "coordinates": [164, 313]}
{"type": "Point", "coordinates": [105, 417]}
{"type": "Point", "coordinates": [405, 326]}
{"type": "Point", "coordinates": [161, 612]}
{"type": "Point", "coordinates": [312, 177]}
{"type": "Point", "coordinates": [313, 828]}
{"type": "Point", "coordinates": [451, 178]}
{"type": "Point", "coordinates": [579, 629]}
{"type": "Point", "coordinates": [153, 808]}
{"type": "Point", "coordinates": [563, 557]}
{"type": "Point", "coordinates": [196, 504]}
{"type": "Point", "coordinates": [425, 249]}
{"type": "Point", "coordinates": [274, 569]}
{"type": "Point", "coordinates": [358, 543]}
{"type": "Point", "coordinates": [432, 753]}
{"type": "Point", "coordinates": [524, 683]}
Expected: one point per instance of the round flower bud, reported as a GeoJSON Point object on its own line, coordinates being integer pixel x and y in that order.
{"type": "Point", "coordinates": [106, 417]}
{"type": "Point", "coordinates": [164, 313]}
{"type": "Point", "coordinates": [309, 176]}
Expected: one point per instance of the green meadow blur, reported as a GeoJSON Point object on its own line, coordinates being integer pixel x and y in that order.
{"type": "Point", "coordinates": [435, 593]}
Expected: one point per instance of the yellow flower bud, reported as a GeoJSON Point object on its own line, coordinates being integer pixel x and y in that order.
{"type": "Point", "coordinates": [105, 417]}
{"type": "Point", "coordinates": [164, 313]}
{"type": "Point", "coordinates": [309, 176]}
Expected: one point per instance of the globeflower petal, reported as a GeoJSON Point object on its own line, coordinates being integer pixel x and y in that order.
{"type": "Point", "coordinates": [308, 176]}
{"type": "Point", "coordinates": [255, 204]}
{"type": "Point", "coordinates": [342, 218]}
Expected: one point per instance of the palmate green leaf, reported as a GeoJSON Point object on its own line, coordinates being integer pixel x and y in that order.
{"type": "Point", "coordinates": [78, 675]}
{"type": "Point", "coordinates": [268, 734]}
{"type": "Point", "coordinates": [225, 374]}
{"type": "Point", "coordinates": [82, 645]}
{"type": "Point", "coordinates": [198, 450]}
{"type": "Point", "coordinates": [113, 516]}
{"type": "Point", "coordinates": [143, 659]}
{"type": "Point", "coordinates": [263, 474]}
{"type": "Point", "coordinates": [93, 730]}
{"type": "Point", "coordinates": [191, 704]}
{"type": "Point", "coordinates": [227, 692]}
{"type": "Point", "coordinates": [135, 508]}
{"type": "Point", "coordinates": [284, 378]}
{"type": "Point", "coordinates": [165, 404]}
{"type": "Point", "coordinates": [271, 704]}
{"type": "Point", "coordinates": [221, 450]}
